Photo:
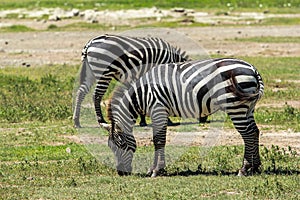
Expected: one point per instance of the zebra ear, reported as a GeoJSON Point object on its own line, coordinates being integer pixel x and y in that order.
{"type": "Point", "coordinates": [106, 126]}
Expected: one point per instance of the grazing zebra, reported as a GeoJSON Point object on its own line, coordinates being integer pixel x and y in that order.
{"type": "Point", "coordinates": [187, 90]}
{"type": "Point", "coordinates": [120, 57]}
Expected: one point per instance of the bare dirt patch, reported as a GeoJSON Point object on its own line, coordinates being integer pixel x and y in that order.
{"type": "Point", "coordinates": [41, 48]}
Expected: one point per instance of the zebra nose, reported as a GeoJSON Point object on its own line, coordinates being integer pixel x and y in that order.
{"type": "Point", "coordinates": [123, 171]}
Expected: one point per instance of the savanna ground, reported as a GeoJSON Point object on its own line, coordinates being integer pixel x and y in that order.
{"type": "Point", "coordinates": [42, 156]}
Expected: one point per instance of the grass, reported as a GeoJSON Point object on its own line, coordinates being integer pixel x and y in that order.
{"type": "Point", "coordinates": [270, 39]}
{"type": "Point", "coordinates": [41, 171]}
{"type": "Point", "coordinates": [280, 21]}
{"type": "Point", "coordinates": [16, 28]}
{"type": "Point", "coordinates": [42, 95]}
{"type": "Point", "coordinates": [127, 4]}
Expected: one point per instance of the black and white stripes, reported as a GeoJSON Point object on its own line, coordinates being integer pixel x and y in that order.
{"type": "Point", "coordinates": [120, 57]}
{"type": "Point", "coordinates": [188, 90]}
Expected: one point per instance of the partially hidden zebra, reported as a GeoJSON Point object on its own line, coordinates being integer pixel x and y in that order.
{"type": "Point", "coordinates": [123, 58]}
{"type": "Point", "coordinates": [188, 90]}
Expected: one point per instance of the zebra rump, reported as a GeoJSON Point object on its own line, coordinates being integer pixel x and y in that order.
{"type": "Point", "coordinates": [188, 90]}
{"type": "Point", "coordinates": [122, 58]}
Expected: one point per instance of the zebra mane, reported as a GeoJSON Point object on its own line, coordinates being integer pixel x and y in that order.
{"type": "Point", "coordinates": [181, 53]}
{"type": "Point", "coordinates": [117, 95]}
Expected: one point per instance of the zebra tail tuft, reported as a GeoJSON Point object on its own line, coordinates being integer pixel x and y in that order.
{"type": "Point", "coordinates": [241, 94]}
{"type": "Point", "coordinates": [84, 51]}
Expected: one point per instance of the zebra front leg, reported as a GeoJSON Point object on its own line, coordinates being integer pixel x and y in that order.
{"type": "Point", "coordinates": [159, 119]}
{"type": "Point", "coordinates": [159, 162]}
{"type": "Point", "coordinates": [100, 90]}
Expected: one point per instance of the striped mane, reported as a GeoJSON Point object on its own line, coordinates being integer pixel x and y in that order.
{"type": "Point", "coordinates": [116, 97]}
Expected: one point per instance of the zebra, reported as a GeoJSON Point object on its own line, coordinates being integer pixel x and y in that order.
{"type": "Point", "coordinates": [186, 90]}
{"type": "Point", "coordinates": [120, 57]}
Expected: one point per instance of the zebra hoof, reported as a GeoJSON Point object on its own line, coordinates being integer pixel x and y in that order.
{"type": "Point", "coordinates": [170, 123]}
{"type": "Point", "coordinates": [202, 119]}
{"type": "Point", "coordinates": [77, 125]}
{"type": "Point", "coordinates": [102, 121]}
{"type": "Point", "coordinates": [143, 124]}
{"type": "Point", "coordinates": [76, 122]}
{"type": "Point", "coordinates": [154, 173]}
{"type": "Point", "coordinates": [242, 173]}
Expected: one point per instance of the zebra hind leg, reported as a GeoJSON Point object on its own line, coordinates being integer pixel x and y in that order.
{"type": "Point", "coordinates": [79, 98]}
{"type": "Point", "coordinates": [251, 156]}
{"type": "Point", "coordinates": [143, 121]}
{"type": "Point", "coordinates": [246, 126]}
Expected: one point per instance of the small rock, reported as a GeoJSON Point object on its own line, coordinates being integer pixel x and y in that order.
{"type": "Point", "coordinates": [93, 21]}
{"type": "Point", "coordinates": [187, 20]}
{"type": "Point", "coordinates": [75, 12]}
{"type": "Point", "coordinates": [54, 18]}
{"type": "Point", "coordinates": [180, 10]}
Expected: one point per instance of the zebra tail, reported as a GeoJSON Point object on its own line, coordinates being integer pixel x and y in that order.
{"type": "Point", "coordinates": [239, 92]}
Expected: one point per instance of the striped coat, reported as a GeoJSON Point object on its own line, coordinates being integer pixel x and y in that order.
{"type": "Point", "coordinates": [122, 58]}
{"type": "Point", "coordinates": [187, 90]}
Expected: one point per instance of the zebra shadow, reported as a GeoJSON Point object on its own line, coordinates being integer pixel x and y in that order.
{"type": "Point", "coordinates": [188, 172]}
{"type": "Point", "coordinates": [184, 123]}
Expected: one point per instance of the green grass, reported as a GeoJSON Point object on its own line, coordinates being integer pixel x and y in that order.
{"type": "Point", "coordinates": [42, 94]}
{"type": "Point", "coordinates": [126, 4]}
{"type": "Point", "coordinates": [16, 28]}
{"type": "Point", "coordinates": [49, 172]}
{"type": "Point", "coordinates": [270, 39]}
{"type": "Point", "coordinates": [280, 21]}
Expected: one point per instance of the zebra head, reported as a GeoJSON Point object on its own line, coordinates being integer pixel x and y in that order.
{"type": "Point", "coordinates": [118, 143]}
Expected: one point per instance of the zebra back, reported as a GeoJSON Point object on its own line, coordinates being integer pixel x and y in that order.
{"type": "Point", "coordinates": [137, 97]}
{"type": "Point", "coordinates": [122, 55]}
